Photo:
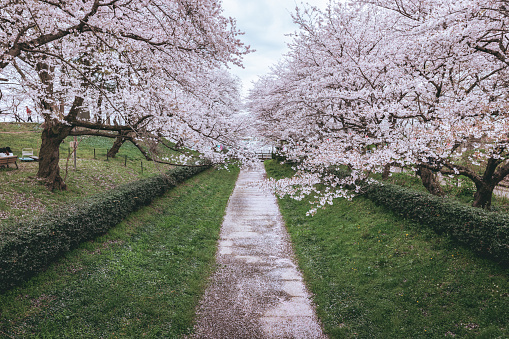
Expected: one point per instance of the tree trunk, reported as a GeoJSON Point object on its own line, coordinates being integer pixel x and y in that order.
{"type": "Point", "coordinates": [490, 179]}
{"type": "Point", "coordinates": [482, 197]}
{"type": "Point", "coordinates": [386, 172]}
{"type": "Point", "coordinates": [49, 155]}
{"type": "Point", "coordinates": [430, 181]}
{"type": "Point", "coordinates": [119, 141]}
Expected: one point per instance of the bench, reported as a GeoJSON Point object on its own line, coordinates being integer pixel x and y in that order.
{"type": "Point", "coordinates": [27, 154]}
{"type": "Point", "coordinates": [5, 161]}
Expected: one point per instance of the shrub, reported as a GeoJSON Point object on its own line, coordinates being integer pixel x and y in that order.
{"type": "Point", "coordinates": [486, 233]}
{"type": "Point", "coordinates": [28, 247]}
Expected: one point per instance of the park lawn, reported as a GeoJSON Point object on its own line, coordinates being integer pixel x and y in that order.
{"type": "Point", "coordinates": [376, 275]}
{"type": "Point", "coordinates": [143, 278]}
{"type": "Point", "coordinates": [23, 196]}
{"type": "Point", "coordinates": [18, 127]}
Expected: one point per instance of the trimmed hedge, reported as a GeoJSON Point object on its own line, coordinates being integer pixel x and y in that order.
{"type": "Point", "coordinates": [28, 247]}
{"type": "Point", "coordinates": [486, 233]}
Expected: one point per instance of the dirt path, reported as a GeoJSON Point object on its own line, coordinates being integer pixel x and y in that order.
{"type": "Point", "coordinates": [257, 291]}
{"type": "Point", "coordinates": [21, 132]}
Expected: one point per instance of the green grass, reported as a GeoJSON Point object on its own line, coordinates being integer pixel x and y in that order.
{"type": "Point", "coordinates": [18, 127]}
{"type": "Point", "coordinates": [376, 275]}
{"type": "Point", "coordinates": [142, 279]}
{"type": "Point", "coordinates": [23, 196]}
{"type": "Point", "coordinates": [20, 135]}
{"type": "Point", "coordinates": [404, 179]}
{"type": "Point", "coordinates": [28, 135]}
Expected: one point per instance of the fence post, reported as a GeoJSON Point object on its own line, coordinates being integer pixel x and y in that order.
{"type": "Point", "coordinates": [141, 166]}
{"type": "Point", "coordinates": [94, 153]}
{"type": "Point", "coordinates": [107, 158]}
{"type": "Point", "coordinates": [125, 161]}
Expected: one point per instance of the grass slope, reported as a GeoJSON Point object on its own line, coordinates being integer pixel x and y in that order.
{"type": "Point", "coordinates": [23, 196]}
{"type": "Point", "coordinates": [143, 279]}
{"type": "Point", "coordinates": [375, 275]}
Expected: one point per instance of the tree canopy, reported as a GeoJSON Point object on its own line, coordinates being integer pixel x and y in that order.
{"type": "Point", "coordinates": [144, 69]}
{"type": "Point", "coordinates": [373, 83]}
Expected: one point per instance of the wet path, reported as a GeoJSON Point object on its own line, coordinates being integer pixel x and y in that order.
{"type": "Point", "coordinates": [257, 291]}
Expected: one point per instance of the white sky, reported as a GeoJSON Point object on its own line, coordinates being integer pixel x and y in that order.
{"type": "Point", "coordinates": [265, 23]}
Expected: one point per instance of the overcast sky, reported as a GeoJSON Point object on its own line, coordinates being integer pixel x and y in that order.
{"type": "Point", "coordinates": [265, 23]}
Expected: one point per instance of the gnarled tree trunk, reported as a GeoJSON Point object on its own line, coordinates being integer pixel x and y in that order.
{"type": "Point", "coordinates": [482, 197]}
{"type": "Point", "coordinates": [49, 170]}
{"type": "Point", "coordinates": [53, 134]}
{"type": "Point", "coordinates": [119, 141]}
{"type": "Point", "coordinates": [496, 170]}
{"type": "Point", "coordinates": [430, 181]}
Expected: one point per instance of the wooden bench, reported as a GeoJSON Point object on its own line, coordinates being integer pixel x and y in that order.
{"type": "Point", "coordinates": [5, 161]}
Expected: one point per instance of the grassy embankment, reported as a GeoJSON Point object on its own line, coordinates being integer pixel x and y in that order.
{"type": "Point", "coordinates": [376, 275]}
{"type": "Point", "coordinates": [142, 279]}
{"type": "Point", "coordinates": [22, 195]}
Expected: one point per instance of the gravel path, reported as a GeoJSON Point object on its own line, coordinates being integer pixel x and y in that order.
{"type": "Point", "coordinates": [257, 290]}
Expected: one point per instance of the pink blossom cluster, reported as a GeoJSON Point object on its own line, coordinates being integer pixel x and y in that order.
{"type": "Point", "coordinates": [374, 83]}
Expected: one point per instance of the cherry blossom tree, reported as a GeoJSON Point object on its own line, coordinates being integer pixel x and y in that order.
{"type": "Point", "coordinates": [133, 63]}
{"type": "Point", "coordinates": [377, 83]}
{"type": "Point", "coordinates": [460, 44]}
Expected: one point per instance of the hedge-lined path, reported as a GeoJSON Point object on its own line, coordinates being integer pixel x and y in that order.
{"type": "Point", "coordinates": [257, 290]}
{"type": "Point", "coordinates": [142, 279]}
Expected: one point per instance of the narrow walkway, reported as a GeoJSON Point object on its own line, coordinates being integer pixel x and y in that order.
{"type": "Point", "coordinates": [257, 291]}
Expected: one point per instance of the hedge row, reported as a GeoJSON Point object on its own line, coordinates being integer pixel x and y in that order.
{"type": "Point", "coordinates": [28, 247]}
{"type": "Point", "coordinates": [486, 233]}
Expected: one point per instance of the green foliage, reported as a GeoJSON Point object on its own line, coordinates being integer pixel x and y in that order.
{"type": "Point", "coordinates": [374, 274]}
{"type": "Point", "coordinates": [340, 172]}
{"type": "Point", "coordinates": [404, 179]}
{"type": "Point", "coordinates": [459, 188]}
{"type": "Point", "coordinates": [28, 247]}
{"type": "Point", "coordinates": [143, 278]}
{"type": "Point", "coordinates": [277, 170]}
{"type": "Point", "coordinates": [487, 233]}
